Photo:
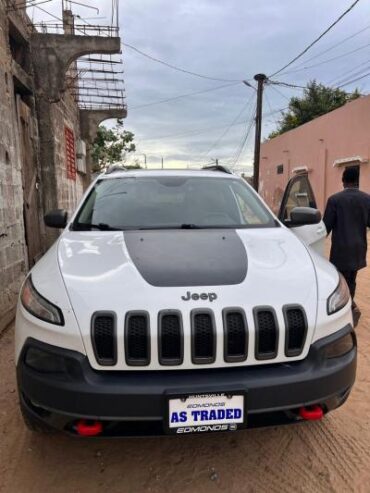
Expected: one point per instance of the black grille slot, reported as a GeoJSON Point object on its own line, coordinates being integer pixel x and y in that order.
{"type": "Point", "coordinates": [267, 335]}
{"type": "Point", "coordinates": [236, 336]}
{"type": "Point", "coordinates": [203, 337]}
{"type": "Point", "coordinates": [103, 334]}
{"type": "Point", "coordinates": [296, 330]}
{"type": "Point", "coordinates": [170, 338]}
{"type": "Point", "coordinates": [137, 339]}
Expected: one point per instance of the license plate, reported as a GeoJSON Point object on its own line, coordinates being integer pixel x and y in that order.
{"type": "Point", "coordinates": [206, 412]}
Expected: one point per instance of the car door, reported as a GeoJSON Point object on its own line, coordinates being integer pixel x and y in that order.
{"type": "Point", "coordinates": [299, 193]}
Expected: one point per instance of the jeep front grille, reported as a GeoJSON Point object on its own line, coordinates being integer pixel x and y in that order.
{"type": "Point", "coordinates": [203, 337]}
{"type": "Point", "coordinates": [170, 338]}
{"type": "Point", "coordinates": [267, 333]}
{"type": "Point", "coordinates": [235, 335]}
{"type": "Point", "coordinates": [104, 338]}
{"type": "Point", "coordinates": [295, 330]}
{"type": "Point", "coordinates": [177, 338]}
{"type": "Point", "coordinates": [137, 339]}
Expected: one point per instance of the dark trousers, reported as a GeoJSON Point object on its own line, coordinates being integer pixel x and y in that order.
{"type": "Point", "coordinates": [350, 277]}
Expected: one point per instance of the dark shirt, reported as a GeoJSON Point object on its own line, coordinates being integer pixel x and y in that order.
{"type": "Point", "coordinates": [347, 215]}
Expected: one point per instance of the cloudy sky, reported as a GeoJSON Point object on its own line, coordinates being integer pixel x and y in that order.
{"type": "Point", "coordinates": [230, 40]}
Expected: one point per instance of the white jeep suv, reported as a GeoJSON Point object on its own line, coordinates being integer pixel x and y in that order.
{"type": "Point", "coordinates": [174, 301]}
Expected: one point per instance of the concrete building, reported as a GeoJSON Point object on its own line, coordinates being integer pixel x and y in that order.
{"type": "Point", "coordinates": [43, 136]}
{"type": "Point", "coordinates": [322, 147]}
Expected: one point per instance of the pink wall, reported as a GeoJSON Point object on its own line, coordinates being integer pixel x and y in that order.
{"type": "Point", "coordinates": [340, 134]}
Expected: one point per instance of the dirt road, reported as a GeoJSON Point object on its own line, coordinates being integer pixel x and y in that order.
{"type": "Point", "coordinates": [330, 456]}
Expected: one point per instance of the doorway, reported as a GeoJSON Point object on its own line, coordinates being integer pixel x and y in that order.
{"type": "Point", "coordinates": [30, 182]}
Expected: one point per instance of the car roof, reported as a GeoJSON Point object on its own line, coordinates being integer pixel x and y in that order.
{"type": "Point", "coordinates": [165, 172]}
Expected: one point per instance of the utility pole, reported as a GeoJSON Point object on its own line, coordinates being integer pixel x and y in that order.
{"type": "Point", "coordinates": [162, 162]}
{"type": "Point", "coordinates": [145, 161]}
{"type": "Point", "coordinates": [260, 78]}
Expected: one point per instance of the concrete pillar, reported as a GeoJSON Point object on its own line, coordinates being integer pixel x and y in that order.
{"type": "Point", "coordinates": [89, 124]}
{"type": "Point", "coordinates": [52, 55]}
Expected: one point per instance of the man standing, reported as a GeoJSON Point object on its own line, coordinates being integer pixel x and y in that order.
{"type": "Point", "coordinates": [347, 215]}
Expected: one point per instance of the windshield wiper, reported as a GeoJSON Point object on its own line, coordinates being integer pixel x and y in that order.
{"type": "Point", "coordinates": [190, 226]}
{"type": "Point", "coordinates": [175, 226]}
{"type": "Point", "coordinates": [99, 226]}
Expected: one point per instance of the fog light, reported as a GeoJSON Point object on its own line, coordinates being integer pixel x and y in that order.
{"type": "Point", "coordinates": [341, 346]}
{"type": "Point", "coordinates": [44, 361]}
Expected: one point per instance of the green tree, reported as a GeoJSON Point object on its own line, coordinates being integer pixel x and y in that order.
{"type": "Point", "coordinates": [112, 146]}
{"type": "Point", "coordinates": [317, 100]}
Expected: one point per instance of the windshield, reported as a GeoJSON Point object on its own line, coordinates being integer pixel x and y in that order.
{"type": "Point", "coordinates": [171, 202]}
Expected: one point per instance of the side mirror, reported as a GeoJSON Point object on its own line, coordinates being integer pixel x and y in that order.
{"type": "Point", "coordinates": [302, 216]}
{"type": "Point", "coordinates": [56, 218]}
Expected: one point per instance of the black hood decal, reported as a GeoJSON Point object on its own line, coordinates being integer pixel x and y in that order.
{"type": "Point", "coordinates": [167, 258]}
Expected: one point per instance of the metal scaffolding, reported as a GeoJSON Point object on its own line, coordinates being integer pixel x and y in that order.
{"type": "Point", "coordinates": [95, 81]}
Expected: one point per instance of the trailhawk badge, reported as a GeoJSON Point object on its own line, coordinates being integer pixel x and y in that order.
{"type": "Point", "coordinates": [199, 296]}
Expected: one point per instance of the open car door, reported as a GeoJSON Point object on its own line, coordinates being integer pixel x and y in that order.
{"type": "Point", "coordinates": [298, 193]}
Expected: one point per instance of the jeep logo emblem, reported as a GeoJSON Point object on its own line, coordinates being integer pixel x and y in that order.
{"type": "Point", "coordinates": [199, 296]}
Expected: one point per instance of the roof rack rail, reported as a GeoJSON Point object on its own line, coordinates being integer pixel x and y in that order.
{"type": "Point", "coordinates": [114, 168]}
{"type": "Point", "coordinates": [217, 167]}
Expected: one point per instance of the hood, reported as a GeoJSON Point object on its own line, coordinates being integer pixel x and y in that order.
{"type": "Point", "coordinates": [115, 270]}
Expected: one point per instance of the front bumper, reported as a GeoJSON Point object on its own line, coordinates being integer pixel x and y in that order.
{"type": "Point", "coordinates": [134, 402]}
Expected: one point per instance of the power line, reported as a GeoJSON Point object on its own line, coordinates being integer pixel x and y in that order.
{"type": "Point", "coordinates": [350, 72]}
{"type": "Point", "coordinates": [183, 96]}
{"type": "Point", "coordinates": [273, 86]}
{"type": "Point", "coordinates": [327, 60]}
{"type": "Point", "coordinates": [332, 47]}
{"type": "Point", "coordinates": [275, 111]}
{"type": "Point", "coordinates": [245, 138]}
{"type": "Point", "coordinates": [205, 130]}
{"type": "Point", "coordinates": [317, 39]}
{"type": "Point", "coordinates": [227, 129]}
{"type": "Point", "coordinates": [284, 84]}
{"type": "Point", "coordinates": [179, 69]}
{"type": "Point", "coordinates": [272, 112]}
{"type": "Point", "coordinates": [354, 80]}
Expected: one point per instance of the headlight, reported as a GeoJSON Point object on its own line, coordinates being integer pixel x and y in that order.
{"type": "Point", "coordinates": [339, 298]}
{"type": "Point", "coordinates": [38, 306]}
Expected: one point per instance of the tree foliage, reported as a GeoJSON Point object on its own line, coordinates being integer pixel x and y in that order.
{"type": "Point", "coordinates": [317, 100]}
{"type": "Point", "coordinates": [111, 146]}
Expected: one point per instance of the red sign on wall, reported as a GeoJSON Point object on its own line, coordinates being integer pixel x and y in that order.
{"type": "Point", "coordinates": [70, 153]}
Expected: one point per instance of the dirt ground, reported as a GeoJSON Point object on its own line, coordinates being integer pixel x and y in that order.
{"type": "Point", "coordinates": [329, 456]}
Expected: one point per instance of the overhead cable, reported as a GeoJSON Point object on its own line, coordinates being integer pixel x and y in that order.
{"type": "Point", "coordinates": [317, 39]}
{"type": "Point", "coordinates": [332, 47]}
{"type": "Point", "coordinates": [284, 84]}
{"type": "Point", "coordinates": [273, 86]}
{"type": "Point", "coordinates": [243, 143]}
{"type": "Point", "coordinates": [327, 60]}
{"type": "Point", "coordinates": [350, 73]}
{"type": "Point", "coordinates": [354, 80]}
{"type": "Point", "coordinates": [231, 124]}
{"type": "Point", "coordinates": [189, 94]}
{"type": "Point", "coordinates": [174, 67]}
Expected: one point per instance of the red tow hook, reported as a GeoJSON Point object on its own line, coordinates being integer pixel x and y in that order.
{"type": "Point", "coordinates": [89, 429]}
{"type": "Point", "coordinates": [311, 413]}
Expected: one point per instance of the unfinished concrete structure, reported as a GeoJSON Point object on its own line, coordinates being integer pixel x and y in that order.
{"type": "Point", "coordinates": [322, 147]}
{"type": "Point", "coordinates": [42, 141]}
